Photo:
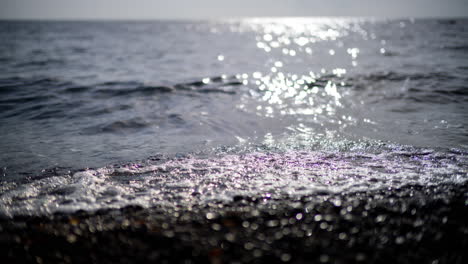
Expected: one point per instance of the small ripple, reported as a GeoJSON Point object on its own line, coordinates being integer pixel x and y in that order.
{"type": "Point", "coordinates": [119, 126]}
{"type": "Point", "coordinates": [402, 76]}
{"type": "Point", "coordinates": [40, 63]}
{"type": "Point", "coordinates": [25, 99]}
{"type": "Point", "coordinates": [461, 48]}
{"type": "Point", "coordinates": [77, 89]}
{"type": "Point", "coordinates": [138, 90]}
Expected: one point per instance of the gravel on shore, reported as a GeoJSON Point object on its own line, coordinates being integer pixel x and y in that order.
{"type": "Point", "coordinates": [413, 224]}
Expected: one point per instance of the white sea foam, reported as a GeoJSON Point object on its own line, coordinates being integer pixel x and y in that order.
{"type": "Point", "coordinates": [190, 180]}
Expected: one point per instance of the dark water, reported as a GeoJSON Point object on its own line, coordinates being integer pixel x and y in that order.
{"type": "Point", "coordinates": [203, 111]}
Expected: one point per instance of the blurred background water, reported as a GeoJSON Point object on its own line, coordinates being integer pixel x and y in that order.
{"type": "Point", "coordinates": [224, 94]}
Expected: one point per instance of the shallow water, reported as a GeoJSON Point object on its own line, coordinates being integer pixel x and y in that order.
{"type": "Point", "coordinates": [212, 110]}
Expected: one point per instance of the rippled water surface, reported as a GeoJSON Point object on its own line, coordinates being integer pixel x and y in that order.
{"type": "Point", "coordinates": [190, 112]}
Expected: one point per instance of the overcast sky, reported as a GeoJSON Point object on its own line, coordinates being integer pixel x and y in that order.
{"type": "Point", "coordinates": [196, 9]}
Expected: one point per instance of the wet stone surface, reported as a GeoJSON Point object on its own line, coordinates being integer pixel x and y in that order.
{"type": "Point", "coordinates": [412, 224]}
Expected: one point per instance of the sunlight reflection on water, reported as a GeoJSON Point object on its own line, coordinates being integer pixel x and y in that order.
{"type": "Point", "coordinates": [314, 95]}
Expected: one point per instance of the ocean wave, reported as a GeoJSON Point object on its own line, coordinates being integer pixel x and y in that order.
{"type": "Point", "coordinates": [188, 180]}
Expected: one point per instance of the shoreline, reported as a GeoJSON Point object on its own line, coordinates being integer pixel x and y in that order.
{"type": "Point", "coordinates": [413, 224]}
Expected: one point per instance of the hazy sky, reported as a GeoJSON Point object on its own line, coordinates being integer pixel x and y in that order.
{"type": "Point", "coordinates": [188, 9]}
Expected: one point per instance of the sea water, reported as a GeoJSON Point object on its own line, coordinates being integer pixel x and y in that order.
{"type": "Point", "coordinates": [100, 115]}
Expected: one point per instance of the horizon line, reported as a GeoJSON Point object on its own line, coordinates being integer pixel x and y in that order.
{"type": "Point", "coordinates": [181, 19]}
